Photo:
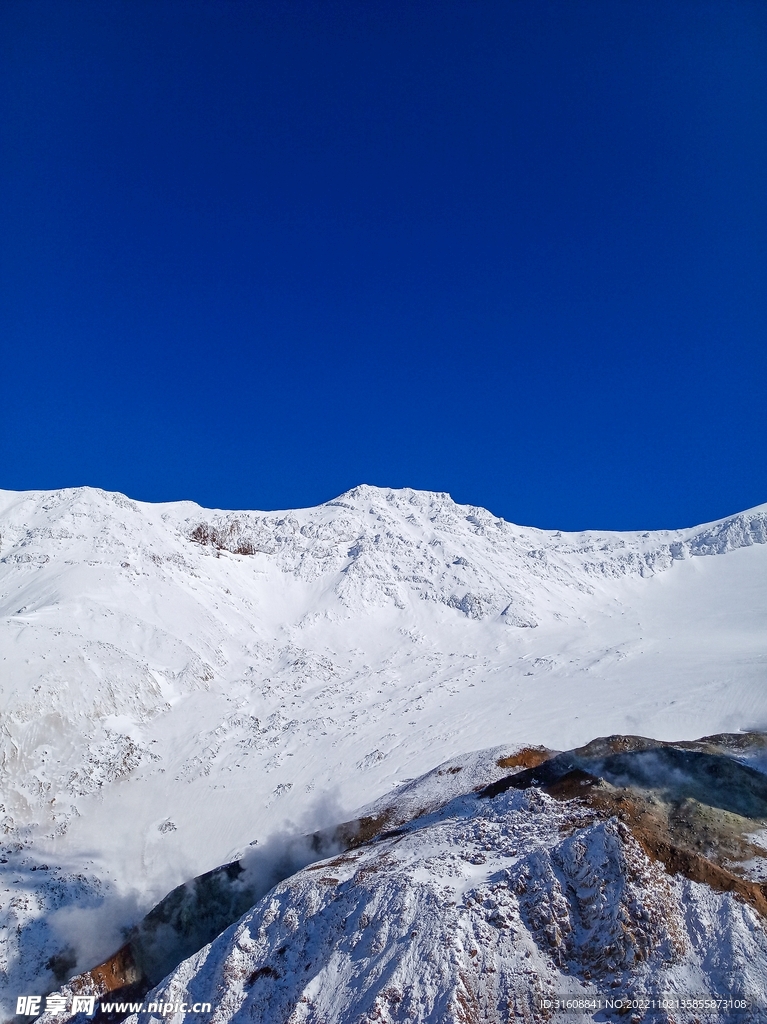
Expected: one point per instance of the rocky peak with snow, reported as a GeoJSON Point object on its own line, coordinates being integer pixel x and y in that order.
{"type": "Point", "coordinates": [491, 900]}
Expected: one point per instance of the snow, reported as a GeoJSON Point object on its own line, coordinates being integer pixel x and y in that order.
{"type": "Point", "coordinates": [474, 913]}
{"type": "Point", "coordinates": [166, 700]}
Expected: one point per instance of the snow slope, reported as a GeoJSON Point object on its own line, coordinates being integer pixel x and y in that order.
{"type": "Point", "coordinates": [176, 682]}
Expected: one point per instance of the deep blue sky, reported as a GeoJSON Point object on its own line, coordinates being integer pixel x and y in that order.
{"type": "Point", "coordinates": [256, 253]}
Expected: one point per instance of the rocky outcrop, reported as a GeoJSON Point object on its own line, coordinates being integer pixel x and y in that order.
{"type": "Point", "coordinates": [627, 866]}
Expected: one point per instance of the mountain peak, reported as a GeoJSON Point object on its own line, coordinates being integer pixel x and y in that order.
{"type": "Point", "coordinates": [176, 681]}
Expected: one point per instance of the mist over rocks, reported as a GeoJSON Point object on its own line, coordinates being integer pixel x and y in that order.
{"type": "Point", "coordinates": [234, 673]}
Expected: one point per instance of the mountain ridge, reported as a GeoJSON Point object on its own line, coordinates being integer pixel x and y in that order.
{"type": "Point", "coordinates": [207, 697]}
{"type": "Point", "coordinates": [461, 901]}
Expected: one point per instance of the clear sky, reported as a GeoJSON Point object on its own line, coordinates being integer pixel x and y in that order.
{"type": "Point", "coordinates": [255, 253]}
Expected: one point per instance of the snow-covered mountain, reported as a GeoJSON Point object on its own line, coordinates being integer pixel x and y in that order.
{"type": "Point", "coordinates": [178, 682]}
{"type": "Point", "coordinates": [500, 885]}
{"type": "Point", "coordinates": [488, 911]}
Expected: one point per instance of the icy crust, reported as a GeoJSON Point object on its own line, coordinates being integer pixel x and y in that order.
{"type": "Point", "coordinates": [469, 915]}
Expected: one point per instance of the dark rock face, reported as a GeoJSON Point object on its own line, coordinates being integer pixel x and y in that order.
{"type": "Point", "coordinates": [692, 805]}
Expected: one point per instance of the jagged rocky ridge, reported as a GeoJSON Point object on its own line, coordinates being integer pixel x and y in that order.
{"type": "Point", "coordinates": [627, 866]}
